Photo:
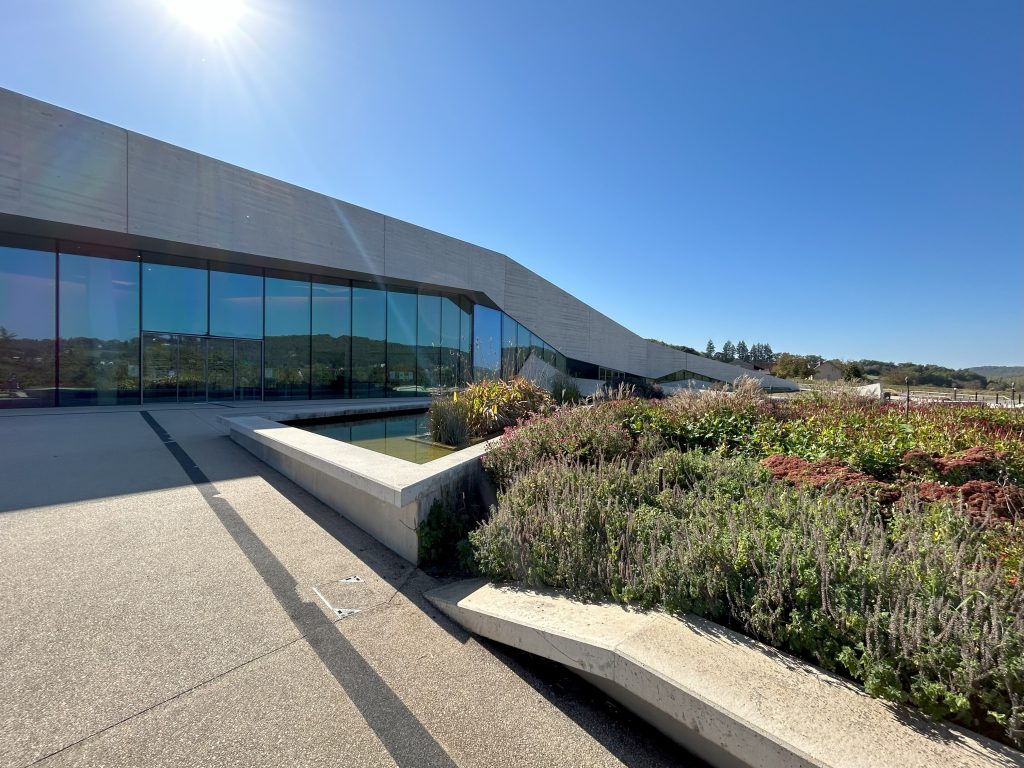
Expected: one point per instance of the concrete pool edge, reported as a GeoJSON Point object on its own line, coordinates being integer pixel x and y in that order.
{"type": "Point", "coordinates": [385, 496]}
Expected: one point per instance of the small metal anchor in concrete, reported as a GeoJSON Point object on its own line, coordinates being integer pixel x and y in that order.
{"type": "Point", "coordinates": [351, 580]}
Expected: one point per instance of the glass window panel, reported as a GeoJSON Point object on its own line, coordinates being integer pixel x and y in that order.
{"type": "Point", "coordinates": [236, 305]}
{"type": "Point", "coordinates": [369, 324]}
{"type": "Point", "coordinates": [174, 298]}
{"type": "Point", "coordinates": [99, 329]}
{"type": "Point", "coordinates": [509, 338]}
{"type": "Point", "coordinates": [522, 347]}
{"type": "Point", "coordinates": [332, 340]}
{"type": "Point", "coordinates": [191, 369]}
{"type": "Point", "coordinates": [220, 368]}
{"type": "Point", "coordinates": [159, 368]}
{"type": "Point", "coordinates": [428, 335]}
{"type": "Point", "coordinates": [27, 327]}
{"type": "Point", "coordinates": [286, 340]}
{"type": "Point", "coordinates": [401, 379]}
{"type": "Point", "coordinates": [486, 343]}
{"type": "Point", "coordinates": [451, 329]}
{"type": "Point", "coordinates": [248, 365]}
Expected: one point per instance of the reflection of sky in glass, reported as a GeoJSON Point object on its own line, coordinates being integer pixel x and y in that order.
{"type": "Point", "coordinates": [368, 313]}
{"type": "Point", "coordinates": [451, 318]}
{"type": "Point", "coordinates": [332, 308]}
{"type": "Point", "coordinates": [287, 307]}
{"type": "Point", "coordinates": [173, 299]}
{"type": "Point", "coordinates": [27, 293]}
{"type": "Point", "coordinates": [428, 330]}
{"type": "Point", "coordinates": [401, 318]}
{"type": "Point", "coordinates": [236, 305]}
{"type": "Point", "coordinates": [99, 298]}
{"type": "Point", "coordinates": [486, 338]}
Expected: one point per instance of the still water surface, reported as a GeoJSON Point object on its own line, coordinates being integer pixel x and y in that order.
{"type": "Point", "coordinates": [384, 434]}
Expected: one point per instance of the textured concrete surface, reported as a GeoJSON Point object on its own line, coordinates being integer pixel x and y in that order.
{"type": "Point", "coordinates": [386, 496]}
{"type": "Point", "coordinates": [168, 600]}
{"type": "Point", "coordinates": [142, 193]}
{"type": "Point", "coordinates": [730, 699]}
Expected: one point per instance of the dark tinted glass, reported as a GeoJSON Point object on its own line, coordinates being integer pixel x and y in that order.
{"type": "Point", "coordinates": [236, 305]}
{"type": "Point", "coordinates": [451, 320]}
{"type": "Point", "coordinates": [401, 379]}
{"type": "Point", "coordinates": [522, 346]}
{"type": "Point", "coordinates": [174, 299]}
{"type": "Point", "coordinates": [369, 324]}
{"type": "Point", "coordinates": [286, 340]}
{"type": "Point", "coordinates": [428, 337]}
{"type": "Point", "coordinates": [99, 329]}
{"type": "Point", "coordinates": [332, 339]}
{"type": "Point", "coordinates": [27, 320]}
{"type": "Point", "coordinates": [486, 342]}
{"type": "Point", "coordinates": [509, 338]}
{"type": "Point", "coordinates": [159, 368]}
{"type": "Point", "coordinates": [465, 342]}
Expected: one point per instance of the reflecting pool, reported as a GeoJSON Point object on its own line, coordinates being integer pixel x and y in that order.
{"type": "Point", "coordinates": [402, 435]}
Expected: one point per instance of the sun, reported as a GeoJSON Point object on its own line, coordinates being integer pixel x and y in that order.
{"type": "Point", "coordinates": [212, 18]}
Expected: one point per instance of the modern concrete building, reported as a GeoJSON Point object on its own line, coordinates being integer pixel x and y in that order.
{"type": "Point", "coordinates": [135, 271]}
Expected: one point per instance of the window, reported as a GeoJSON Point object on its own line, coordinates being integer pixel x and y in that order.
{"type": "Point", "coordinates": [369, 333]}
{"type": "Point", "coordinates": [486, 330]}
{"type": "Point", "coordinates": [522, 347]}
{"type": "Point", "coordinates": [236, 304]}
{"type": "Point", "coordinates": [451, 329]}
{"type": "Point", "coordinates": [428, 343]}
{"type": "Point", "coordinates": [401, 378]}
{"type": "Point", "coordinates": [27, 321]}
{"type": "Point", "coordinates": [99, 329]}
{"type": "Point", "coordinates": [465, 373]}
{"type": "Point", "coordinates": [332, 340]}
{"type": "Point", "coordinates": [174, 298]}
{"type": "Point", "coordinates": [286, 340]}
{"type": "Point", "coordinates": [509, 339]}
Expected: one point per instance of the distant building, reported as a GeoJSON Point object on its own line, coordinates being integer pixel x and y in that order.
{"type": "Point", "coordinates": [828, 371]}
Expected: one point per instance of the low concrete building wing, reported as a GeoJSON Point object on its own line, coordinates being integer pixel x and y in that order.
{"type": "Point", "coordinates": [333, 300]}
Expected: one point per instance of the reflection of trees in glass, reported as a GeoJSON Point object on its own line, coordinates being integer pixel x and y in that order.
{"type": "Point", "coordinates": [99, 369]}
{"type": "Point", "coordinates": [24, 363]}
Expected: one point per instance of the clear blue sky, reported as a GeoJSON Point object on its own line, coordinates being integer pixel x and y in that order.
{"type": "Point", "coordinates": [838, 178]}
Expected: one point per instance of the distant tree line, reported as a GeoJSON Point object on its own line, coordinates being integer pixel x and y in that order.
{"type": "Point", "coordinates": [754, 354]}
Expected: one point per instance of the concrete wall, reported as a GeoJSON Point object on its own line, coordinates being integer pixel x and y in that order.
{"type": "Point", "coordinates": [60, 170]}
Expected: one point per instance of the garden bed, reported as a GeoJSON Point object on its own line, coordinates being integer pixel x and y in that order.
{"type": "Point", "coordinates": [882, 545]}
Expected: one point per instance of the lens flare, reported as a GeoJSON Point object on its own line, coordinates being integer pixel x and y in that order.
{"type": "Point", "coordinates": [212, 18]}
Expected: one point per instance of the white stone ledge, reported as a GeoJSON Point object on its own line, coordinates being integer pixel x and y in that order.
{"type": "Point", "coordinates": [727, 698]}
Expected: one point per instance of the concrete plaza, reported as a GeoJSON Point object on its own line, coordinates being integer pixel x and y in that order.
{"type": "Point", "coordinates": [167, 600]}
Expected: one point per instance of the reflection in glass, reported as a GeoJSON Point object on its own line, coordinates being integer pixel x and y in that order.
{"type": "Point", "coordinates": [248, 365]}
{"type": "Point", "coordinates": [509, 339]}
{"type": "Point", "coordinates": [99, 328]}
{"type": "Point", "coordinates": [159, 368]}
{"type": "Point", "coordinates": [236, 305]}
{"type": "Point", "coordinates": [27, 319]}
{"type": "Point", "coordinates": [174, 299]}
{"type": "Point", "coordinates": [369, 332]}
{"type": "Point", "coordinates": [451, 319]}
{"type": "Point", "coordinates": [522, 347]}
{"type": "Point", "coordinates": [220, 368]}
{"type": "Point", "coordinates": [465, 374]}
{"type": "Point", "coordinates": [486, 343]}
{"type": "Point", "coordinates": [332, 339]}
{"type": "Point", "coordinates": [401, 379]}
{"type": "Point", "coordinates": [286, 340]}
{"type": "Point", "coordinates": [191, 369]}
{"type": "Point", "coordinates": [428, 338]}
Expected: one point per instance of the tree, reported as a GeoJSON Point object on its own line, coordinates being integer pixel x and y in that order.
{"type": "Point", "coordinates": [742, 353]}
{"type": "Point", "coordinates": [728, 352]}
{"type": "Point", "coordinates": [793, 367]}
{"type": "Point", "coordinates": [709, 350]}
{"type": "Point", "coordinates": [852, 371]}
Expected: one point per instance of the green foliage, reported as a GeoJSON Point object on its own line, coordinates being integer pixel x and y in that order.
{"type": "Point", "coordinates": [789, 366]}
{"type": "Point", "coordinates": [443, 543]}
{"type": "Point", "coordinates": [564, 390]}
{"type": "Point", "coordinates": [448, 420]}
{"type": "Point", "coordinates": [920, 608]}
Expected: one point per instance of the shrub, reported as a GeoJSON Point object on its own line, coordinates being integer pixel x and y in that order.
{"type": "Point", "coordinates": [917, 604]}
{"type": "Point", "coordinates": [495, 403]}
{"type": "Point", "coordinates": [565, 391]}
{"type": "Point", "coordinates": [448, 419]}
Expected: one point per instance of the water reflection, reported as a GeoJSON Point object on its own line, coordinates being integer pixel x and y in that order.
{"type": "Point", "coordinates": [404, 436]}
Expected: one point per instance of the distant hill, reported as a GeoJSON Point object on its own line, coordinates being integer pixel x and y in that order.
{"type": "Point", "coordinates": [999, 371]}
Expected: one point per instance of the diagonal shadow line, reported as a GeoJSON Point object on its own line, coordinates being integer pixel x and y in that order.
{"type": "Point", "coordinates": [405, 738]}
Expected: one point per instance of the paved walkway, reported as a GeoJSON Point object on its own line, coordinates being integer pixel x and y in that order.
{"type": "Point", "coordinates": [165, 602]}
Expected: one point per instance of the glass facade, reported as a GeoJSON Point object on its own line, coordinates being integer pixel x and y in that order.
{"type": "Point", "coordinates": [93, 326]}
{"type": "Point", "coordinates": [331, 340]}
{"type": "Point", "coordinates": [369, 335]}
{"type": "Point", "coordinates": [28, 321]}
{"type": "Point", "coordinates": [98, 319]}
{"type": "Point", "coordinates": [286, 340]}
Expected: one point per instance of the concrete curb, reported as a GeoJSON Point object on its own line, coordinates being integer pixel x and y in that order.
{"type": "Point", "coordinates": [727, 698]}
